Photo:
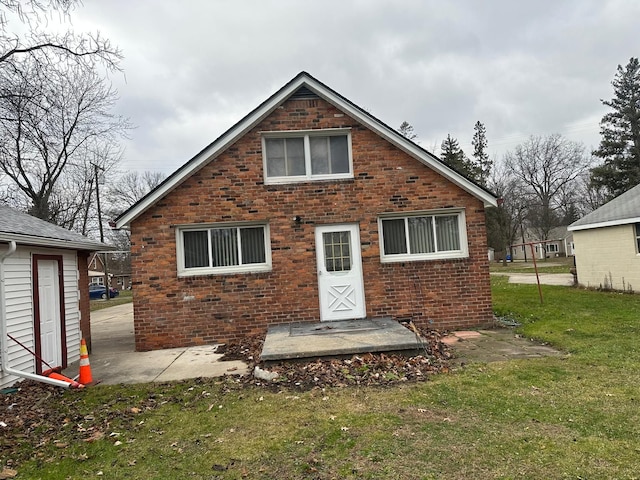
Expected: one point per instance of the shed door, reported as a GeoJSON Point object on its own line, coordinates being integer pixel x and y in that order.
{"type": "Point", "coordinates": [340, 282]}
{"type": "Point", "coordinates": [49, 329]}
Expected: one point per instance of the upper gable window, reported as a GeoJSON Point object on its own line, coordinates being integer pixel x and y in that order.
{"type": "Point", "coordinates": [296, 156]}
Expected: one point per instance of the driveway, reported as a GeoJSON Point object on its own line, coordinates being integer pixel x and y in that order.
{"type": "Point", "coordinates": [114, 360]}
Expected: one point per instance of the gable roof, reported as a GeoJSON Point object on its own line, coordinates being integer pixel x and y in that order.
{"type": "Point", "coordinates": [308, 84]}
{"type": "Point", "coordinates": [25, 229]}
{"type": "Point", "coordinates": [622, 210]}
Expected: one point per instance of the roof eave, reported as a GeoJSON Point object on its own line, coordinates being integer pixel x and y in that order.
{"type": "Point", "coordinates": [610, 223]}
{"type": "Point", "coordinates": [21, 239]}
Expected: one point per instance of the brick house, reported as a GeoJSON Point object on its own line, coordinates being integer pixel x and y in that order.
{"type": "Point", "coordinates": [309, 209]}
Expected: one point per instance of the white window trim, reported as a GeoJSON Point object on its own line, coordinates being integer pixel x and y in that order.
{"type": "Point", "coordinates": [326, 132]}
{"type": "Point", "coordinates": [250, 268]}
{"type": "Point", "coordinates": [463, 252]}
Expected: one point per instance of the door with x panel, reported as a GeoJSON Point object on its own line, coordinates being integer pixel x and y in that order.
{"type": "Point", "coordinates": [340, 282]}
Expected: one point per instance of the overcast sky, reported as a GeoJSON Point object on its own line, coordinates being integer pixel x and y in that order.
{"type": "Point", "coordinates": [194, 68]}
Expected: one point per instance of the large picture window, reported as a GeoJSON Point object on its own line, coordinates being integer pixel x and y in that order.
{"type": "Point", "coordinates": [423, 236]}
{"type": "Point", "coordinates": [223, 249]}
{"type": "Point", "coordinates": [307, 155]}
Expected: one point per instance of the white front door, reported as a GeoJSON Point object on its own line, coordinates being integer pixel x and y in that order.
{"type": "Point", "coordinates": [340, 282]}
{"type": "Point", "coordinates": [49, 310]}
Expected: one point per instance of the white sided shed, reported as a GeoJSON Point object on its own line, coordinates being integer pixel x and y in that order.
{"type": "Point", "coordinates": [44, 296]}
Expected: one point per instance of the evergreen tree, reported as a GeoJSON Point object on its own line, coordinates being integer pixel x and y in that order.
{"type": "Point", "coordinates": [452, 155]}
{"type": "Point", "coordinates": [406, 130]}
{"type": "Point", "coordinates": [620, 130]}
{"type": "Point", "coordinates": [482, 163]}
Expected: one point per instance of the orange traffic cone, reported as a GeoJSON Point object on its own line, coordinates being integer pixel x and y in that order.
{"type": "Point", "coordinates": [85, 367]}
{"type": "Point", "coordinates": [72, 383]}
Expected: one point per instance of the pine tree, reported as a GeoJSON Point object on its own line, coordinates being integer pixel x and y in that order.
{"type": "Point", "coordinates": [620, 130]}
{"type": "Point", "coordinates": [452, 155]}
{"type": "Point", "coordinates": [406, 130]}
{"type": "Point", "coordinates": [482, 163]}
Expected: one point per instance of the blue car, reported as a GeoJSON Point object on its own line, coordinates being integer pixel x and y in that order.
{"type": "Point", "coordinates": [99, 291]}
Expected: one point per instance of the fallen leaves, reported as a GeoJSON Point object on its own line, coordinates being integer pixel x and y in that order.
{"type": "Point", "coordinates": [8, 473]}
{"type": "Point", "coordinates": [364, 369]}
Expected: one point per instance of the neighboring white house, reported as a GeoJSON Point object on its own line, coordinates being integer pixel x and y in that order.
{"type": "Point", "coordinates": [44, 296]}
{"type": "Point", "coordinates": [559, 244]}
{"type": "Point", "coordinates": [607, 243]}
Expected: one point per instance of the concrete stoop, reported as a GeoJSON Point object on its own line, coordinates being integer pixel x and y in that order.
{"type": "Point", "coordinates": [347, 337]}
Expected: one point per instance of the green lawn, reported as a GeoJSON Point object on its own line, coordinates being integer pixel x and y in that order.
{"type": "Point", "coordinates": [125, 296]}
{"type": "Point", "coordinates": [576, 417]}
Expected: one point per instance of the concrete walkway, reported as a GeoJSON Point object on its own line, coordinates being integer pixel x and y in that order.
{"type": "Point", "coordinates": [562, 279]}
{"type": "Point", "coordinates": [114, 360]}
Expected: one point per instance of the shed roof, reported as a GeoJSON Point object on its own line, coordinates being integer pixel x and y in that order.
{"type": "Point", "coordinates": [307, 84]}
{"type": "Point", "coordinates": [622, 210]}
{"type": "Point", "coordinates": [28, 230]}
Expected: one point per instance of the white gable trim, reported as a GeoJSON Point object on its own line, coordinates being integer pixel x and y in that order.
{"type": "Point", "coordinates": [610, 223]}
{"type": "Point", "coordinates": [257, 115]}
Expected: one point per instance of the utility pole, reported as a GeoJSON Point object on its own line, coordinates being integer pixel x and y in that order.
{"type": "Point", "coordinates": [96, 167]}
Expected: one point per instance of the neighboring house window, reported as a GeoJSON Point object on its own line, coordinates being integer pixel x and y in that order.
{"type": "Point", "coordinates": [638, 237]}
{"type": "Point", "coordinates": [423, 236]}
{"type": "Point", "coordinates": [308, 155]}
{"type": "Point", "coordinates": [223, 249]}
{"type": "Point", "coordinates": [552, 247]}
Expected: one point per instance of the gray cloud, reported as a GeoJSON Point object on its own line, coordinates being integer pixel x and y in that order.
{"type": "Point", "coordinates": [194, 68]}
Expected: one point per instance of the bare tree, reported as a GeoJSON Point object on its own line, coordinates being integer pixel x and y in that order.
{"type": "Point", "coordinates": [548, 167]}
{"type": "Point", "coordinates": [86, 49]}
{"type": "Point", "coordinates": [504, 222]}
{"type": "Point", "coordinates": [54, 117]}
{"type": "Point", "coordinates": [121, 194]}
{"type": "Point", "coordinates": [129, 188]}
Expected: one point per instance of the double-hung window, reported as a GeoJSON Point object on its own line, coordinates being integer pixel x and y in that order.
{"type": "Point", "coordinates": [423, 236]}
{"type": "Point", "coordinates": [638, 238]}
{"type": "Point", "coordinates": [296, 156]}
{"type": "Point", "coordinates": [223, 249]}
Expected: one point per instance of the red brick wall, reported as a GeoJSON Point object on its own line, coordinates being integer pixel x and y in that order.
{"type": "Point", "coordinates": [173, 311]}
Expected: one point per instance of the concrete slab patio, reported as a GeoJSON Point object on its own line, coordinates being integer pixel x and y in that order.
{"type": "Point", "coordinates": [497, 345]}
{"type": "Point", "coordinates": [114, 360]}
